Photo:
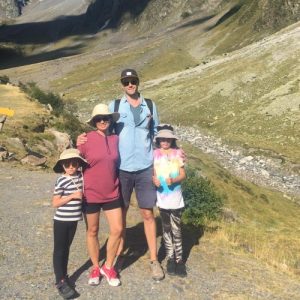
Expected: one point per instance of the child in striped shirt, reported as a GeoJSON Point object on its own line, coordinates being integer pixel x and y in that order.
{"type": "Point", "coordinates": [67, 199]}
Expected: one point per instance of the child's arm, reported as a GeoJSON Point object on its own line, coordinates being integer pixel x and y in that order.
{"type": "Point", "coordinates": [59, 200]}
{"type": "Point", "coordinates": [177, 179]}
{"type": "Point", "coordinates": [155, 180]}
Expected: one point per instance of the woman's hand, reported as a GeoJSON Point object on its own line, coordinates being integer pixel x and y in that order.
{"type": "Point", "coordinates": [156, 181]}
{"type": "Point", "coordinates": [81, 139]}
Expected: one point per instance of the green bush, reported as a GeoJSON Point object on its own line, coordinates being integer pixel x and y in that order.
{"type": "Point", "coordinates": [65, 121]}
{"type": "Point", "coordinates": [202, 202]}
{"type": "Point", "coordinates": [35, 92]}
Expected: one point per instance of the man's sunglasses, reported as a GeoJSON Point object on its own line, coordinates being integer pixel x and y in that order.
{"type": "Point", "coordinates": [105, 119]}
{"type": "Point", "coordinates": [132, 81]}
{"type": "Point", "coordinates": [68, 163]}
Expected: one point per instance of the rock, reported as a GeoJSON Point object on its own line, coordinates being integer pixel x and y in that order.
{"type": "Point", "coordinates": [246, 159]}
{"type": "Point", "coordinates": [16, 143]}
{"type": "Point", "coordinates": [265, 173]}
{"type": "Point", "coordinates": [62, 139]}
{"type": "Point", "coordinates": [34, 160]}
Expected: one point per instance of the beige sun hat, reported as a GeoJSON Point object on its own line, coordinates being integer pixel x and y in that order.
{"type": "Point", "coordinates": [102, 110]}
{"type": "Point", "coordinates": [67, 154]}
{"type": "Point", "coordinates": [165, 133]}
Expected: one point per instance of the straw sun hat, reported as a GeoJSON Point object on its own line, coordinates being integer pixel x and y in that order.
{"type": "Point", "coordinates": [102, 110]}
{"type": "Point", "coordinates": [68, 154]}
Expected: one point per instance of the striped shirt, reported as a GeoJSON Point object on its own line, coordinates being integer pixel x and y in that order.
{"type": "Point", "coordinates": [65, 186]}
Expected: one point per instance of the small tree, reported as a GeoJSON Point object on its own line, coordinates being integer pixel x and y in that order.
{"type": "Point", "coordinates": [202, 202]}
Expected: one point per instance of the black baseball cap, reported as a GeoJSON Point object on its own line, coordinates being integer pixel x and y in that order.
{"type": "Point", "coordinates": [129, 73]}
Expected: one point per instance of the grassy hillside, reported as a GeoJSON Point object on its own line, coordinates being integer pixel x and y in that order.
{"type": "Point", "coordinates": [266, 224]}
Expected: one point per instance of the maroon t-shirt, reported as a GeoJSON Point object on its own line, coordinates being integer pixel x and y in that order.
{"type": "Point", "coordinates": [101, 183]}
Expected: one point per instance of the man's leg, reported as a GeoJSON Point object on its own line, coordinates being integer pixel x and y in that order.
{"type": "Point", "coordinates": [150, 231]}
{"type": "Point", "coordinates": [146, 198]}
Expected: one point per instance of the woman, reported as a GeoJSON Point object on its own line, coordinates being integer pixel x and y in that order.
{"type": "Point", "coordinates": [101, 191]}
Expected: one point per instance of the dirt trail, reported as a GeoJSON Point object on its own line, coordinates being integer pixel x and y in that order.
{"type": "Point", "coordinates": [26, 250]}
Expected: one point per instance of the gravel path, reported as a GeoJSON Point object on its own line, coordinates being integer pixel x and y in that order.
{"type": "Point", "coordinates": [26, 256]}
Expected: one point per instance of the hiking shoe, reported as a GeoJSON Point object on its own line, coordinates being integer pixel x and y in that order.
{"type": "Point", "coordinates": [157, 271]}
{"type": "Point", "coordinates": [94, 278]}
{"type": "Point", "coordinates": [110, 275]}
{"type": "Point", "coordinates": [65, 290]}
{"type": "Point", "coordinates": [171, 266]}
{"type": "Point", "coordinates": [181, 269]}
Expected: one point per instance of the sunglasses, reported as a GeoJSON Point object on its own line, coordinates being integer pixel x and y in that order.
{"type": "Point", "coordinates": [69, 163]}
{"type": "Point", "coordinates": [105, 119]}
{"type": "Point", "coordinates": [132, 81]}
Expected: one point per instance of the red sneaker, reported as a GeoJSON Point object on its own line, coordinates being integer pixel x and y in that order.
{"type": "Point", "coordinates": [110, 275]}
{"type": "Point", "coordinates": [94, 278]}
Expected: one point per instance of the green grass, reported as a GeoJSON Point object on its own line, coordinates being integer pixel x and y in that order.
{"type": "Point", "coordinates": [267, 225]}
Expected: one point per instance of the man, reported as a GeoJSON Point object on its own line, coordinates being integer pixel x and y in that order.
{"type": "Point", "coordinates": [136, 153]}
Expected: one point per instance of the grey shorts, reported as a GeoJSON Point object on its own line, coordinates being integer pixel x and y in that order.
{"type": "Point", "coordinates": [142, 183]}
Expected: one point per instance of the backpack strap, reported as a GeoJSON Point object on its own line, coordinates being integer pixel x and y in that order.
{"type": "Point", "coordinates": [116, 105]}
{"type": "Point", "coordinates": [151, 124]}
{"type": "Point", "coordinates": [150, 106]}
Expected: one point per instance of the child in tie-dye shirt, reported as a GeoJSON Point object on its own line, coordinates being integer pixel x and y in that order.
{"type": "Point", "coordinates": [168, 174]}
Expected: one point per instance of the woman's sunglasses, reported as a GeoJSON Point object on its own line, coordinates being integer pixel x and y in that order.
{"type": "Point", "coordinates": [105, 119]}
{"type": "Point", "coordinates": [132, 81]}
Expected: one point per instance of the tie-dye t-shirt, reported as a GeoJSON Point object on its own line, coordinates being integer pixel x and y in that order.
{"type": "Point", "coordinates": [168, 166]}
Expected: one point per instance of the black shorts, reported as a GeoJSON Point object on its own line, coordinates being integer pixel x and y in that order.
{"type": "Point", "coordinates": [91, 208]}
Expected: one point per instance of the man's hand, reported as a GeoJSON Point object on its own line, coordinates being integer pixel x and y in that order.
{"type": "Point", "coordinates": [156, 181]}
{"type": "Point", "coordinates": [81, 139]}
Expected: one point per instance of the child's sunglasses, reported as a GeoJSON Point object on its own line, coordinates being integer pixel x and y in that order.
{"type": "Point", "coordinates": [69, 163]}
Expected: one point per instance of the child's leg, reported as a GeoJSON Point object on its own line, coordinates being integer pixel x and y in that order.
{"type": "Point", "coordinates": [167, 233]}
{"type": "Point", "coordinates": [175, 220]}
{"type": "Point", "coordinates": [72, 226]}
{"type": "Point", "coordinates": [60, 229]}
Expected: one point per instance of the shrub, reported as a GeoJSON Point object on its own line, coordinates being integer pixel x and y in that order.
{"type": "Point", "coordinates": [43, 97]}
{"type": "Point", "coordinates": [202, 202]}
{"type": "Point", "coordinates": [4, 79]}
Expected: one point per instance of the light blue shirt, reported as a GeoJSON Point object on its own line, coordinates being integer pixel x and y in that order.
{"type": "Point", "coordinates": [135, 145]}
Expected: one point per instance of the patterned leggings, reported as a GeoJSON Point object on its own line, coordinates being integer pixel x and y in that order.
{"type": "Point", "coordinates": [171, 224]}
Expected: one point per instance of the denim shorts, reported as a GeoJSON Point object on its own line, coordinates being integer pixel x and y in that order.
{"type": "Point", "coordinates": [141, 182]}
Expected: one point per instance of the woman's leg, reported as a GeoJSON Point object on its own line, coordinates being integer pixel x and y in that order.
{"type": "Point", "coordinates": [123, 235]}
{"type": "Point", "coordinates": [115, 222]}
{"type": "Point", "coordinates": [92, 237]}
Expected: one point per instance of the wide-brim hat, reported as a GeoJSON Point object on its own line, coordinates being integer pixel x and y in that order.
{"type": "Point", "coordinates": [102, 110]}
{"type": "Point", "coordinates": [129, 73]}
{"type": "Point", "coordinates": [68, 154]}
{"type": "Point", "coordinates": [165, 133]}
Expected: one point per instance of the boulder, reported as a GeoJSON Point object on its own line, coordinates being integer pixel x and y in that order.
{"type": "Point", "coordinates": [62, 140]}
{"type": "Point", "coordinates": [34, 159]}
